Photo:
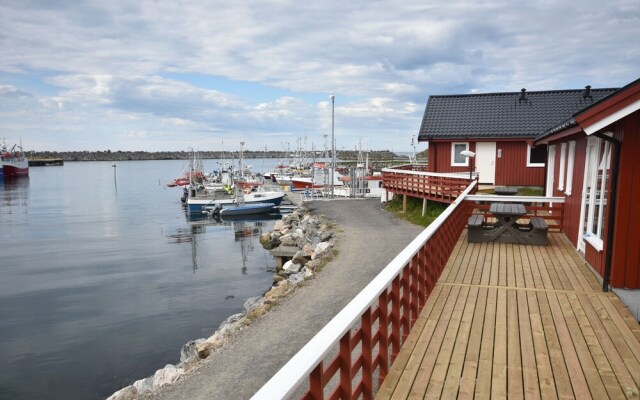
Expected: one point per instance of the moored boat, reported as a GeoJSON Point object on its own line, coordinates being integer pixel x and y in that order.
{"type": "Point", "coordinates": [14, 162]}
{"type": "Point", "coordinates": [245, 209]}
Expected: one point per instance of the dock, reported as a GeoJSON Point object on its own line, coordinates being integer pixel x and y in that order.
{"type": "Point", "coordinates": [45, 162]}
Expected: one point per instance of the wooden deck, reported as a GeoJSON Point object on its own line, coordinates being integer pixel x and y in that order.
{"type": "Point", "coordinates": [518, 321]}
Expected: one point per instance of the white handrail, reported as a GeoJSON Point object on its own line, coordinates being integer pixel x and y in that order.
{"type": "Point", "coordinates": [514, 199]}
{"type": "Point", "coordinates": [287, 379]}
{"type": "Point", "coordinates": [461, 175]}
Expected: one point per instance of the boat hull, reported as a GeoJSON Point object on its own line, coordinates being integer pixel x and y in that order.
{"type": "Point", "coordinates": [246, 209]}
{"type": "Point", "coordinates": [197, 205]}
{"type": "Point", "coordinates": [17, 168]}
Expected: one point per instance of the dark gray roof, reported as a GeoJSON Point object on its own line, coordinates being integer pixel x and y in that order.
{"type": "Point", "coordinates": [571, 121]}
{"type": "Point", "coordinates": [502, 115]}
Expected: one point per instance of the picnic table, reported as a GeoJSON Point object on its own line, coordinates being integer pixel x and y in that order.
{"type": "Point", "coordinates": [507, 228]}
{"type": "Point", "coordinates": [506, 190]}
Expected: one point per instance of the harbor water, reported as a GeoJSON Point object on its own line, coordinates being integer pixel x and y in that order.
{"type": "Point", "coordinates": [104, 277]}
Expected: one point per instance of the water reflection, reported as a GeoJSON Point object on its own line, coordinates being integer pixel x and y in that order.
{"type": "Point", "coordinates": [15, 195]}
{"type": "Point", "coordinates": [246, 230]}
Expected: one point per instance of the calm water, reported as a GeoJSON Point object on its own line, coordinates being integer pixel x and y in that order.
{"type": "Point", "coordinates": [103, 278]}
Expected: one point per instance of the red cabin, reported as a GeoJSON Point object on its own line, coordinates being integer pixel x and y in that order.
{"type": "Point", "coordinates": [593, 162]}
{"type": "Point", "coordinates": [499, 128]}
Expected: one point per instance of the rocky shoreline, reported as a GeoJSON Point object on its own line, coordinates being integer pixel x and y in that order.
{"type": "Point", "coordinates": [314, 238]}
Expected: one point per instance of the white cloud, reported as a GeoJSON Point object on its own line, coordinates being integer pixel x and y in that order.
{"type": "Point", "coordinates": [73, 67]}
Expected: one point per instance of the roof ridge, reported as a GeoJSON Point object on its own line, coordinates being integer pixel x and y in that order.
{"type": "Point", "coordinates": [519, 93]}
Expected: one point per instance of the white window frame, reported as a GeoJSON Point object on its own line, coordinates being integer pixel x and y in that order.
{"type": "Point", "coordinates": [529, 163]}
{"type": "Point", "coordinates": [563, 161]}
{"type": "Point", "coordinates": [597, 193]}
{"type": "Point", "coordinates": [551, 162]}
{"type": "Point", "coordinates": [453, 155]}
{"type": "Point", "coordinates": [570, 161]}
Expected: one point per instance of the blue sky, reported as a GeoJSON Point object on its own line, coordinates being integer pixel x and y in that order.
{"type": "Point", "coordinates": [170, 75]}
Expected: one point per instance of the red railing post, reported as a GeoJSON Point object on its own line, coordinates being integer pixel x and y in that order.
{"type": "Point", "coordinates": [316, 385]}
{"type": "Point", "coordinates": [383, 337]}
{"type": "Point", "coordinates": [367, 356]}
{"type": "Point", "coordinates": [345, 367]}
{"type": "Point", "coordinates": [395, 318]}
{"type": "Point", "coordinates": [406, 310]}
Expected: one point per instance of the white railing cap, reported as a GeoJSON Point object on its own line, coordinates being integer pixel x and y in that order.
{"type": "Point", "coordinates": [287, 379]}
{"type": "Point", "coordinates": [514, 199]}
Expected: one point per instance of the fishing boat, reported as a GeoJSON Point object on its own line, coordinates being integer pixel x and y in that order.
{"type": "Point", "coordinates": [14, 162]}
{"type": "Point", "coordinates": [245, 209]}
{"type": "Point", "coordinates": [198, 204]}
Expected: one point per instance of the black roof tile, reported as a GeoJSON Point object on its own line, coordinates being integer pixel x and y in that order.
{"type": "Point", "coordinates": [506, 115]}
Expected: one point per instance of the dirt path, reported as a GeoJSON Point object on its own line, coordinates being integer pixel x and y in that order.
{"type": "Point", "coordinates": [368, 239]}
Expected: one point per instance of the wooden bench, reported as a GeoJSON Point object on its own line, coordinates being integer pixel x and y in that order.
{"type": "Point", "coordinates": [475, 226]}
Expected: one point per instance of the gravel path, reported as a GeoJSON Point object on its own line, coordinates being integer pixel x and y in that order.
{"type": "Point", "coordinates": [368, 238]}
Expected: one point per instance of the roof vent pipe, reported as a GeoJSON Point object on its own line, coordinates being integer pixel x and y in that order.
{"type": "Point", "coordinates": [587, 92]}
{"type": "Point", "coordinates": [523, 96]}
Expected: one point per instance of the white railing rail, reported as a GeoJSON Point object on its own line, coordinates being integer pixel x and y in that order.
{"type": "Point", "coordinates": [292, 374]}
{"type": "Point", "coordinates": [461, 175]}
{"type": "Point", "coordinates": [513, 199]}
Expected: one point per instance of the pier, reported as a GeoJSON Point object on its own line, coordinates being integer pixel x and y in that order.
{"type": "Point", "coordinates": [45, 162]}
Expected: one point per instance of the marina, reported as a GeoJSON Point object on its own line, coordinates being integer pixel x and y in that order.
{"type": "Point", "coordinates": [105, 276]}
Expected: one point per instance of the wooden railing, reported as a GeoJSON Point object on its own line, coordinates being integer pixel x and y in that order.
{"type": "Point", "coordinates": [368, 333]}
{"type": "Point", "coordinates": [409, 180]}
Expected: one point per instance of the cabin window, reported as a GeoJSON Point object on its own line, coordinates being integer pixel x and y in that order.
{"type": "Point", "coordinates": [457, 159]}
{"type": "Point", "coordinates": [536, 156]}
{"type": "Point", "coordinates": [595, 194]}
{"type": "Point", "coordinates": [570, 161]}
{"type": "Point", "coordinates": [563, 161]}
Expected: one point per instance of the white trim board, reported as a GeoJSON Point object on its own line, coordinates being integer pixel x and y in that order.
{"type": "Point", "coordinates": [616, 116]}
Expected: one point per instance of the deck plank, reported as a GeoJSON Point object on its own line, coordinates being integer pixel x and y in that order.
{"type": "Point", "coordinates": [518, 321]}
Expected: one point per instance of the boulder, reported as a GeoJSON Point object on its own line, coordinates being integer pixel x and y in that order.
{"type": "Point", "coordinates": [296, 278]}
{"type": "Point", "coordinates": [188, 351]}
{"type": "Point", "coordinates": [252, 303]}
{"type": "Point", "coordinates": [326, 235]}
{"type": "Point", "coordinates": [294, 216]}
{"type": "Point", "coordinates": [300, 258]}
{"type": "Point", "coordinates": [279, 225]}
{"type": "Point", "coordinates": [287, 240]}
{"type": "Point", "coordinates": [307, 273]}
{"type": "Point", "coordinates": [144, 386]}
{"type": "Point", "coordinates": [166, 375]}
{"type": "Point", "coordinates": [321, 249]}
{"type": "Point", "coordinates": [291, 268]}
{"type": "Point", "coordinates": [205, 348]}
{"type": "Point", "coordinates": [313, 264]}
{"type": "Point", "coordinates": [307, 250]}
{"type": "Point", "coordinates": [265, 238]}
{"type": "Point", "coordinates": [127, 393]}
{"type": "Point", "coordinates": [232, 319]}
{"type": "Point", "coordinates": [277, 292]}
{"type": "Point", "coordinates": [277, 278]}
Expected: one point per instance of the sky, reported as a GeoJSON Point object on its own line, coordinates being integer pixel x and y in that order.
{"type": "Point", "coordinates": [158, 75]}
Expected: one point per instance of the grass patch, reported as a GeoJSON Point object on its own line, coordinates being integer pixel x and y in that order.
{"type": "Point", "coordinates": [414, 210]}
{"type": "Point", "coordinates": [530, 191]}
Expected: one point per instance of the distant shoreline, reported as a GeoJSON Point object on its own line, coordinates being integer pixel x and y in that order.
{"type": "Point", "coordinates": [380, 155]}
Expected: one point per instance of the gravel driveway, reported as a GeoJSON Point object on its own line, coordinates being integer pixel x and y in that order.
{"type": "Point", "coordinates": [368, 238]}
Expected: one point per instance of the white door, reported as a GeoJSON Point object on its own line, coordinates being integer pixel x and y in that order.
{"type": "Point", "coordinates": [486, 162]}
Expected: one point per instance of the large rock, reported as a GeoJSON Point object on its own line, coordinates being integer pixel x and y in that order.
{"type": "Point", "coordinates": [321, 250]}
{"type": "Point", "coordinates": [287, 240]}
{"type": "Point", "coordinates": [277, 292]}
{"type": "Point", "coordinates": [166, 375]}
{"type": "Point", "coordinates": [144, 386]}
{"type": "Point", "coordinates": [296, 278]}
{"type": "Point", "coordinates": [291, 268]}
{"type": "Point", "coordinates": [279, 225]}
{"type": "Point", "coordinates": [188, 351]}
{"type": "Point", "coordinates": [207, 347]}
{"type": "Point", "coordinates": [232, 319]}
{"type": "Point", "coordinates": [300, 258]}
{"type": "Point", "coordinates": [252, 303]}
{"type": "Point", "coordinates": [326, 235]}
{"type": "Point", "coordinates": [307, 250]}
{"type": "Point", "coordinates": [127, 393]}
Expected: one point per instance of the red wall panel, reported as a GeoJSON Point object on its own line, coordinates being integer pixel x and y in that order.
{"type": "Point", "coordinates": [511, 168]}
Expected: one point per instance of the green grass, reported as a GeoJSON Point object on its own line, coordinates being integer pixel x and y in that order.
{"type": "Point", "coordinates": [530, 191]}
{"type": "Point", "coordinates": [414, 210]}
